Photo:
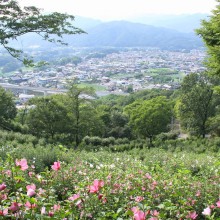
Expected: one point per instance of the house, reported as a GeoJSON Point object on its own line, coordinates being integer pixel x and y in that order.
{"type": "Point", "coordinates": [25, 97]}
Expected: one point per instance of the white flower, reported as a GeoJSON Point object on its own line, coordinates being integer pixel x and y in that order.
{"type": "Point", "coordinates": [112, 166]}
{"type": "Point", "coordinates": [207, 211]}
{"type": "Point", "coordinates": [43, 210]}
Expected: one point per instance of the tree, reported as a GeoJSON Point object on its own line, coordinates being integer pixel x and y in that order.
{"type": "Point", "coordinates": [7, 108]}
{"type": "Point", "coordinates": [209, 32]}
{"type": "Point", "coordinates": [119, 127]}
{"type": "Point", "coordinates": [197, 103]}
{"type": "Point", "coordinates": [48, 117]}
{"type": "Point", "coordinates": [16, 21]}
{"type": "Point", "coordinates": [77, 97]}
{"type": "Point", "coordinates": [90, 124]}
{"type": "Point", "coordinates": [150, 117]}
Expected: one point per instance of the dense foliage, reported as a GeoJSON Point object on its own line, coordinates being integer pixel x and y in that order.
{"type": "Point", "coordinates": [68, 118]}
{"type": "Point", "coordinates": [210, 35]}
{"type": "Point", "coordinates": [197, 103]}
{"type": "Point", "coordinates": [150, 117]}
{"type": "Point", "coordinates": [7, 110]}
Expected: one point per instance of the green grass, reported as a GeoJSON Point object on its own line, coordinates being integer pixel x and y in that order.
{"type": "Point", "coordinates": [95, 86]}
{"type": "Point", "coordinates": [161, 70]}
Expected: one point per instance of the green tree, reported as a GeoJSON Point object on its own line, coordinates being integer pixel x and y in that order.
{"type": "Point", "coordinates": [210, 31]}
{"type": "Point", "coordinates": [7, 109]}
{"type": "Point", "coordinates": [150, 117]}
{"type": "Point", "coordinates": [114, 120]}
{"type": "Point", "coordinates": [214, 125]}
{"type": "Point", "coordinates": [77, 98]}
{"type": "Point", "coordinates": [119, 127]}
{"type": "Point", "coordinates": [90, 124]}
{"type": "Point", "coordinates": [74, 60]}
{"type": "Point", "coordinates": [197, 103]}
{"type": "Point", "coordinates": [16, 21]}
{"type": "Point", "coordinates": [47, 118]}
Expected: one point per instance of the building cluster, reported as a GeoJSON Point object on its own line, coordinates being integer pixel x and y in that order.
{"type": "Point", "coordinates": [119, 71]}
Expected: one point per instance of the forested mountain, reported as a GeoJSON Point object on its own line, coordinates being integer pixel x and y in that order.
{"type": "Point", "coordinates": [128, 34]}
{"type": "Point", "coordinates": [123, 34]}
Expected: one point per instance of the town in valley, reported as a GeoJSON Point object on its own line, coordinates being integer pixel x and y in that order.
{"type": "Point", "coordinates": [109, 71]}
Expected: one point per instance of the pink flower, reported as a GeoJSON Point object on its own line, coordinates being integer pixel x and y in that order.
{"type": "Point", "coordinates": [29, 205]}
{"type": "Point", "coordinates": [207, 211]}
{"type": "Point", "coordinates": [74, 197]}
{"type": "Point", "coordinates": [2, 186]}
{"type": "Point", "coordinates": [50, 213]}
{"type": "Point", "coordinates": [30, 174]}
{"type": "Point", "coordinates": [155, 213]}
{"type": "Point", "coordinates": [56, 166]}
{"type": "Point", "coordinates": [79, 204]}
{"type": "Point", "coordinates": [192, 215]}
{"type": "Point", "coordinates": [31, 190]}
{"type": "Point", "coordinates": [22, 164]}
{"type": "Point", "coordinates": [97, 184]}
{"type": "Point", "coordinates": [3, 212]}
{"type": "Point", "coordinates": [32, 186]}
{"type": "Point", "coordinates": [138, 214]}
{"type": "Point", "coordinates": [8, 172]}
{"type": "Point", "coordinates": [56, 207]}
{"type": "Point", "coordinates": [148, 176]}
{"type": "Point", "coordinates": [3, 196]}
{"type": "Point", "coordinates": [139, 198]}
{"type": "Point", "coordinates": [212, 206]}
{"type": "Point", "coordinates": [154, 183]}
{"type": "Point", "coordinates": [14, 207]}
{"type": "Point", "coordinates": [218, 204]}
{"type": "Point", "coordinates": [40, 192]}
{"type": "Point", "coordinates": [93, 189]}
{"type": "Point", "coordinates": [198, 193]}
{"type": "Point", "coordinates": [102, 198]}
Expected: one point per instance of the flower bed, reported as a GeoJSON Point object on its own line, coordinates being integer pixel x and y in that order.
{"type": "Point", "coordinates": [112, 186]}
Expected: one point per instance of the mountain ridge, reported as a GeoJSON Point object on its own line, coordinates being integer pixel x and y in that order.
{"type": "Point", "coordinates": [120, 34]}
{"type": "Point", "coordinates": [130, 34]}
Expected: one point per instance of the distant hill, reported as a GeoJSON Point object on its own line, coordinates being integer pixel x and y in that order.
{"type": "Point", "coordinates": [128, 34]}
{"type": "Point", "coordinates": [119, 34]}
{"type": "Point", "coordinates": [184, 23]}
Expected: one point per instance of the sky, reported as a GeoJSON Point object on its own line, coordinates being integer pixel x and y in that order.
{"type": "Point", "coordinates": [107, 10]}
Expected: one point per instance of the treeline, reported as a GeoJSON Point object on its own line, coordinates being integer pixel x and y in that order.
{"type": "Point", "coordinates": [79, 117]}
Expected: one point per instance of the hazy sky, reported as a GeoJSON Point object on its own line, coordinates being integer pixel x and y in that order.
{"type": "Point", "coordinates": [122, 9]}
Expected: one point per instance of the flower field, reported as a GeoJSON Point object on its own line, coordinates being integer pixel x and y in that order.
{"type": "Point", "coordinates": [104, 185]}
